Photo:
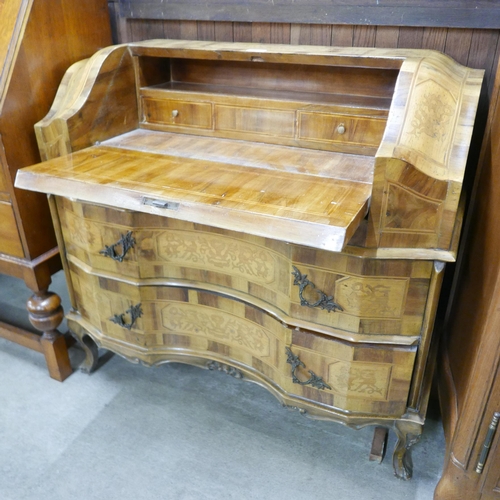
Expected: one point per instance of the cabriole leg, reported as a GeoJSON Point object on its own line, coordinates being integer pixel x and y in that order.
{"type": "Point", "coordinates": [89, 347]}
{"type": "Point", "coordinates": [408, 434]}
{"type": "Point", "coordinates": [45, 314]}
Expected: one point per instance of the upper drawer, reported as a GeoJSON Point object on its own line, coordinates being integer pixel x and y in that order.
{"type": "Point", "coordinates": [337, 128]}
{"type": "Point", "coordinates": [178, 113]}
{"type": "Point", "coordinates": [300, 285]}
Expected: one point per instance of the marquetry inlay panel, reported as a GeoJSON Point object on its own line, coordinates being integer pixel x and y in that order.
{"type": "Point", "coordinates": [218, 253]}
{"type": "Point", "coordinates": [428, 130]}
{"type": "Point", "coordinates": [189, 319]}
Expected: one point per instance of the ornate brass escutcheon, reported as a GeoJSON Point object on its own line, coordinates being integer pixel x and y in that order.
{"type": "Point", "coordinates": [313, 380]}
{"type": "Point", "coordinates": [134, 312]}
{"type": "Point", "coordinates": [126, 242]}
{"type": "Point", "coordinates": [323, 301]}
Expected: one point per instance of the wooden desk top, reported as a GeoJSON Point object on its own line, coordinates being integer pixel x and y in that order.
{"type": "Point", "coordinates": [271, 191]}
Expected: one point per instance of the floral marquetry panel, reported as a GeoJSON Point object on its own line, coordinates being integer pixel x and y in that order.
{"type": "Point", "coordinates": [218, 253]}
{"type": "Point", "coordinates": [203, 321]}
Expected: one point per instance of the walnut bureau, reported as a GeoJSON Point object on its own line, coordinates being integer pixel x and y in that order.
{"type": "Point", "coordinates": [280, 213]}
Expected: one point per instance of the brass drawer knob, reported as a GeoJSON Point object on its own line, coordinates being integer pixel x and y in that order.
{"type": "Point", "coordinates": [341, 129]}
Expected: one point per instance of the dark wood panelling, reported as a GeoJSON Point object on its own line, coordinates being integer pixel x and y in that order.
{"type": "Point", "coordinates": [454, 13]}
{"type": "Point", "coordinates": [242, 32]}
{"type": "Point", "coordinates": [387, 36]}
{"type": "Point", "coordinates": [434, 39]}
{"type": "Point", "coordinates": [261, 32]}
{"type": "Point", "coordinates": [457, 44]}
{"type": "Point", "coordinates": [364, 36]}
{"type": "Point", "coordinates": [411, 38]}
{"type": "Point", "coordinates": [477, 48]}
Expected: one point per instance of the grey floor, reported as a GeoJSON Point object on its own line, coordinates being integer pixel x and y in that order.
{"type": "Point", "coordinates": [177, 432]}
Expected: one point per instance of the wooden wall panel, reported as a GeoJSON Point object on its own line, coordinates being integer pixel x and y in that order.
{"type": "Point", "coordinates": [454, 13]}
{"type": "Point", "coordinates": [477, 48]}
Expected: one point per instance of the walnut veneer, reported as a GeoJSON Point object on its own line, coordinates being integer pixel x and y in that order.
{"type": "Point", "coordinates": [38, 40]}
{"type": "Point", "coordinates": [280, 213]}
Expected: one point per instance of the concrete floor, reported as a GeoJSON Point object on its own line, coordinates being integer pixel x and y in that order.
{"type": "Point", "coordinates": [177, 432]}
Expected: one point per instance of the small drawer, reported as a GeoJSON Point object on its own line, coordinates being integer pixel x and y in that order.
{"type": "Point", "coordinates": [176, 113]}
{"type": "Point", "coordinates": [262, 121]}
{"type": "Point", "coordinates": [334, 128]}
{"type": "Point", "coordinates": [10, 241]}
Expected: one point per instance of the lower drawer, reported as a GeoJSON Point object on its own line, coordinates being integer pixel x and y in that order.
{"type": "Point", "coordinates": [155, 321]}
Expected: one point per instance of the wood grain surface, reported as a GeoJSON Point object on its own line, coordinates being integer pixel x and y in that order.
{"type": "Point", "coordinates": [296, 207]}
{"type": "Point", "coordinates": [478, 14]}
{"type": "Point", "coordinates": [229, 205]}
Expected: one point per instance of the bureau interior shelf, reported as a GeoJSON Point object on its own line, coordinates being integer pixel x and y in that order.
{"type": "Point", "coordinates": [315, 198]}
{"type": "Point", "coordinates": [259, 78]}
{"type": "Point", "coordinates": [373, 105]}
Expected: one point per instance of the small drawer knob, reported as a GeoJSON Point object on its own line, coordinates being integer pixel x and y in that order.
{"type": "Point", "coordinates": [175, 113]}
{"type": "Point", "coordinates": [341, 129]}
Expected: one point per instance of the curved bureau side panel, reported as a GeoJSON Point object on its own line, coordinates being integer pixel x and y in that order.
{"type": "Point", "coordinates": [420, 164]}
{"type": "Point", "coordinates": [96, 101]}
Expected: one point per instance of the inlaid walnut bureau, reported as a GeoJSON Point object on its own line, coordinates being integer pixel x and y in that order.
{"type": "Point", "coordinates": [280, 213]}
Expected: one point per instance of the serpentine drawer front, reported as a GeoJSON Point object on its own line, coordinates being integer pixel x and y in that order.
{"type": "Point", "coordinates": [282, 214]}
{"type": "Point", "coordinates": [150, 321]}
{"type": "Point", "coordinates": [372, 298]}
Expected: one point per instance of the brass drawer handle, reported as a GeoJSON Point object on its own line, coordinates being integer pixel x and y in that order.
{"type": "Point", "coordinates": [313, 380]}
{"type": "Point", "coordinates": [487, 442]}
{"type": "Point", "coordinates": [134, 312]}
{"type": "Point", "coordinates": [324, 301]}
{"type": "Point", "coordinates": [126, 242]}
